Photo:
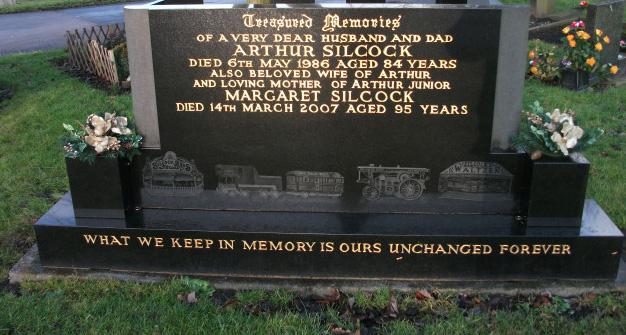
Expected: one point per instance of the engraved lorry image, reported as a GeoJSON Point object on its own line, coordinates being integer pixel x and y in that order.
{"type": "Point", "coordinates": [313, 183]}
{"type": "Point", "coordinates": [244, 180]}
{"type": "Point", "coordinates": [401, 182]}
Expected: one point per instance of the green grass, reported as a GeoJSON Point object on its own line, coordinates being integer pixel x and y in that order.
{"type": "Point", "coordinates": [250, 297]}
{"type": "Point", "coordinates": [377, 300]}
{"type": "Point", "coordinates": [103, 307]}
{"type": "Point", "coordinates": [31, 161]}
{"type": "Point", "coordinates": [110, 307]}
{"type": "Point", "coordinates": [35, 5]}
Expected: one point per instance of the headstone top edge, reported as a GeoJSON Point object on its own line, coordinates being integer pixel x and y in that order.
{"type": "Point", "coordinates": [156, 6]}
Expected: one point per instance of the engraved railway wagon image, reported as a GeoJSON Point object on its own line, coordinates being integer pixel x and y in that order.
{"type": "Point", "coordinates": [406, 183]}
{"type": "Point", "coordinates": [475, 177]}
{"type": "Point", "coordinates": [314, 183]}
{"type": "Point", "coordinates": [245, 180]}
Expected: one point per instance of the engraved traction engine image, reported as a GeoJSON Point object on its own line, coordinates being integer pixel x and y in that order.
{"type": "Point", "coordinates": [401, 182]}
{"type": "Point", "coordinates": [242, 180]}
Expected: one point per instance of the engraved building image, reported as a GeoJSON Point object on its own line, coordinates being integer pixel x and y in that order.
{"type": "Point", "coordinates": [406, 183]}
{"type": "Point", "coordinates": [475, 177]}
{"type": "Point", "coordinates": [172, 175]}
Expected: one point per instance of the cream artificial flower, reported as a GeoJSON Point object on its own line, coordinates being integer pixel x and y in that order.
{"type": "Point", "coordinates": [555, 116]}
{"type": "Point", "coordinates": [120, 126]}
{"type": "Point", "coordinates": [569, 139]}
{"type": "Point", "coordinates": [99, 143]}
{"type": "Point", "coordinates": [98, 126]}
{"type": "Point", "coordinates": [560, 141]}
{"type": "Point", "coordinates": [572, 131]}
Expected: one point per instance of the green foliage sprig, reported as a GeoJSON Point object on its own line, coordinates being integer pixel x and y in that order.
{"type": "Point", "coordinates": [552, 133]}
{"type": "Point", "coordinates": [102, 135]}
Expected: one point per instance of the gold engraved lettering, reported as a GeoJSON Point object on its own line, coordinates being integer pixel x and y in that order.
{"type": "Point", "coordinates": [175, 242]}
{"type": "Point", "coordinates": [226, 244]}
{"type": "Point", "coordinates": [334, 21]}
{"type": "Point", "coordinates": [272, 95]}
{"type": "Point", "coordinates": [365, 50]}
{"type": "Point", "coordinates": [440, 249]}
{"type": "Point", "coordinates": [535, 249]}
{"type": "Point", "coordinates": [111, 240]}
{"type": "Point", "coordinates": [252, 21]}
{"type": "Point", "coordinates": [189, 107]}
{"type": "Point", "coordinates": [263, 245]}
{"type": "Point", "coordinates": [444, 109]}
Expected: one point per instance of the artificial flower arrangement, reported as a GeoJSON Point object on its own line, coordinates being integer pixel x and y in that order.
{"type": "Point", "coordinates": [102, 135]}
{"type": "Point", "coordinates": [553, 134]}
{"type": "Point", "coordinates": [582, 49]}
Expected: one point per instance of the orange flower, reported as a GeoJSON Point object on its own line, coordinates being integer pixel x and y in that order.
{"type": "Point", "coordinates": [531, 54]}
{"type": "Point", "coordinates": [570, 37]}
{"type": "Point", "coordinates": [572, 43]}
{"type": "Point", "coordinates": [607, 39]}
{"type": "Point", "coordinates": [586, 36]}
{"type": "Point", "coordinates": [613, 69]}
{"type": "Point", "coordinates": [599, 32]}
{"type": "Point", "coordinates": [580, 33]}
{"type": "Point", "coordinates": [598, 46]}
{"type": "Point", "coordinates": [534, 70]}
{"type": "Point", "coordinates": [566, 29]}
{"type": "Point", "coordinates": [591, 61]}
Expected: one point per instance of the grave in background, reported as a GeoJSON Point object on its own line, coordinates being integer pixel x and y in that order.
{"type": "Point", "coordinates": [607, 16]}
{"type": "Point", "coordinates": [541, 8]}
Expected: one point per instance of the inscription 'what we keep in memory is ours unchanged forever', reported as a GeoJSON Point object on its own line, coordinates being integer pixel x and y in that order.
{"type": "Point", "coordinates": [322, 247]}
{"type": "Point", "coordinates": [353, 65]}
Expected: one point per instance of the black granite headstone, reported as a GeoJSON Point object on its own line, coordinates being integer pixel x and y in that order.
{"type": "Point", "coordinates": [331, 115]}
{"type": "Point", "coordinates": [334, 141]}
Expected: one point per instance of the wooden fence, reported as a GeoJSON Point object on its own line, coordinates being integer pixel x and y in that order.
{"type": "Point", "coordinates": [88, 50]}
